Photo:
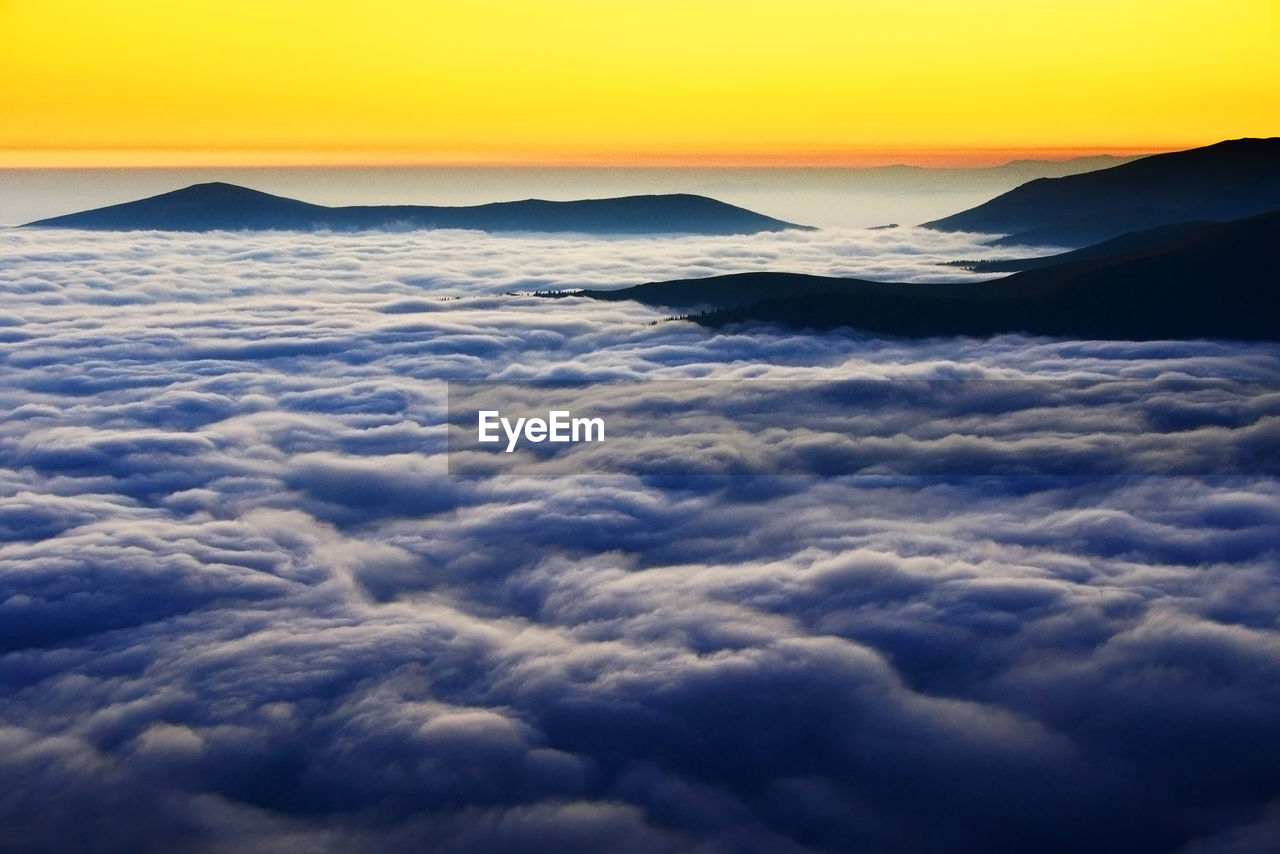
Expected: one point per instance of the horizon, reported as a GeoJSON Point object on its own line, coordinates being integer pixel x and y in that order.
{"type": "Point", "coordinates": [823, 196]}
{"type": "Point", "coordinates": [943, 157]}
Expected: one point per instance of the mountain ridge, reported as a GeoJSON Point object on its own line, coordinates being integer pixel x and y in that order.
{"type": "Point", "coordinates": [1220, 182]}
{"type": "Point", "coordinates": [219, 206]}
{"type": "Point", "coordinates": [1214, 282]}
{"type": "Point", "coordinates": [1130, 241]}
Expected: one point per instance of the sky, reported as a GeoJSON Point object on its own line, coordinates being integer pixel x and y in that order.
{"type": "Point", "coordinates": [732, 82]}
{"type": "Point", "coordinates": [239, 586]}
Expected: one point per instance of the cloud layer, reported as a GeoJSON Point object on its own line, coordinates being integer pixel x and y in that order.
{"type": "Point", "coordinates": [242, 606]}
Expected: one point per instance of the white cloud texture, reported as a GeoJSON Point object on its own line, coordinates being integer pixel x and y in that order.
{"type": "Point", "coordinates": [242, 606]}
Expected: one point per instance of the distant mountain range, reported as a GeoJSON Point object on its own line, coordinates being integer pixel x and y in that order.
{"type": "Point", "coordinates": [218, 206]}
{"type": "Point", "coordinates": [1027, 169]}
{"type": "Point", "coordinates": [1221, 182]}
{"type": "Point", "coordinates": [1210, 281]}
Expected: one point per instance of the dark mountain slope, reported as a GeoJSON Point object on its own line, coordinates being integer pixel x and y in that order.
{"type": "Point", "coordinates": [218, 206]}
{"type": "Point", "coordinates": [1220, 182]}
{"type": "Point", "coordinates": [735, 290]}
{"type": "Point", "coordinates": [1122, 245]}
{"type": "Point", "coordinates": [1218, 282]}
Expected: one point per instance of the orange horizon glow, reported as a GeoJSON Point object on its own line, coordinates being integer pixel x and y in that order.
{"type": "Point", "coordinates": [567, 83]}
{"type": "Point", "coordinates": [944, 158]}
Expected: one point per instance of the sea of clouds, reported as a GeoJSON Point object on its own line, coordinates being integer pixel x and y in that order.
{"type": "Point", "coordinates": [243, 606]}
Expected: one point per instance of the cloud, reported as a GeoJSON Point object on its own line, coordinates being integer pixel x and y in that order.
{"type": "Point", "coordinates": [237, 585]}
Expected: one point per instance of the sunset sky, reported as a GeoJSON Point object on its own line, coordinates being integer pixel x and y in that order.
{"type": "Point", "coordinates": [626, 83]}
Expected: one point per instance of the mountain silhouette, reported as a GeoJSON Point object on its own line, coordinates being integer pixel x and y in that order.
{"type": "Point", "coordinates": [1218, 281]}
{"type": "Point", "coordinates": [1125, 243]}
{"type": "Point", "coordinates": [732, 291]}
{"type": "Point", "coordinates": [218, 206]}
{"type": "Point", "coordinates": [1221, 182]}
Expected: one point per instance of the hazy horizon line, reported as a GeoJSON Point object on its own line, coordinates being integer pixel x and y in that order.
{"type": "Point", "coordinates": [939, 157]}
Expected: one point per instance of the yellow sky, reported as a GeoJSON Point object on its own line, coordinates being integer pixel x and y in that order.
{"type": "Point", "coordinates": [634, 81]}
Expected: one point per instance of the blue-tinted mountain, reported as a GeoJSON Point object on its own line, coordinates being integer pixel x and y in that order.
{"type": "Point", "coordinates": [1219, 281]}
{"type": "Point", "coordinates": [1122, 245]}
{"type": "Point", "coordinates": [1221, 182]}
{"type": "Point", "coordinates": [732, 291]}
{"type": "Point", "coordinates": [218, 207]}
